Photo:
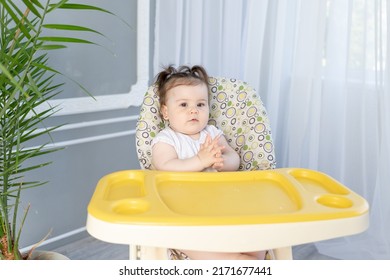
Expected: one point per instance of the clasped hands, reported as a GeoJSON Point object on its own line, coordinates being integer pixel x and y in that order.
{"type": "Point", "coordinates": [210, 153]}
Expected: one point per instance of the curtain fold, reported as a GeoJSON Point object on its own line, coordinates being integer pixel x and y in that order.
{"type": "Point", "coordinates": [321, 68]}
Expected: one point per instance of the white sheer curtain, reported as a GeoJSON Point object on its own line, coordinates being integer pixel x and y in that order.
{"type": "Point", "coordinates": [321, 68]}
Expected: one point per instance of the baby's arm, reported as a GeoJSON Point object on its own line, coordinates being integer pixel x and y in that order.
{"type": "Point", "coordinates": [231, 159]}
{"type": "Point", "coordinates": [164, 157]}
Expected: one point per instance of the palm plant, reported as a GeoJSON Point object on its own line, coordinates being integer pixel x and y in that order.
{"type": "Point", "coordinates": [26, 82]}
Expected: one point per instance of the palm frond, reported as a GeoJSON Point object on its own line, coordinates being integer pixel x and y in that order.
{"type": "Point", "coordinates": [26, 83]}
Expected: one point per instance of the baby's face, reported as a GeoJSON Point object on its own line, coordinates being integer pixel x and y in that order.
{"type": "Point", "coordinates": [187, 109]}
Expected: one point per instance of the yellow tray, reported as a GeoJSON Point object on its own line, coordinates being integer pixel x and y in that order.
{"type": "Point", "coordinates": [146, 197]}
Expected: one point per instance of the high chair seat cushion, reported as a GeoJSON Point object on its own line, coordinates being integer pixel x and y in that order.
{"type": "Point", "coordinates": [235, 108]}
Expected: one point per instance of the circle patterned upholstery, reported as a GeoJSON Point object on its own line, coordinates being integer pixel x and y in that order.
{"type": "Point", "coordinates": [235, 108]}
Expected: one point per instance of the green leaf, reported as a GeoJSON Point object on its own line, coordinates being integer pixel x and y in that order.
{"type": "Point", "coordinates": [37, 3]}
{"type": "Point", "coordinates": [32, 8]}
{"type": "Point", "coordinates": [69, 27]}
{"type": "Point", "coordinates": [52, 7]}
{"type": "Point", "coordinates": [15, 18]}
{"type": "Point", "coordinates": [15, 91]}
{"type": "Point", "coordinates": [33, 85]}
{"type": "Point", "coordinates": [72, 6]}
{"type": "Point", "coordinates": [51, 47]}
{"type": "Point", "coordinates": [83, 7]}
{"type": "Point", "coordinates": [65, 40]}
{"type": "Point", "coordinates": [74, 81]}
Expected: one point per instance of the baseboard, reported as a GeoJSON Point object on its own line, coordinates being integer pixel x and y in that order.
{"type": "Point", "coordinates": [60, 240]}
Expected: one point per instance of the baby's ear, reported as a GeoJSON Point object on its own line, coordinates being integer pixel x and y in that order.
{"type": "Point", "coordinates": [164, 112]}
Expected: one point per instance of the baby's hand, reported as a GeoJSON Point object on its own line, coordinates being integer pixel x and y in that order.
{"type": "Point", "coordinates": [210, 153]}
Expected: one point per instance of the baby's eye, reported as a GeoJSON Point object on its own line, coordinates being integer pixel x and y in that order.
{"type": "Point", "coordinates": [183, 104]}
{"type": "Point", "coordinates": [201, 104]}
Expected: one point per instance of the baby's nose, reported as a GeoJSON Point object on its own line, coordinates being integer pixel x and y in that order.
{"type": "Point", "coordinates": [194, 109]}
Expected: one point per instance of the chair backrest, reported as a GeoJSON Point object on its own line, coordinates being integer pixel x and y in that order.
{"type": "Point", "coordinates": [235, 108]}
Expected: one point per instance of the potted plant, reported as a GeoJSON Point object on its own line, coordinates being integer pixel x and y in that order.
{"type": "Point", "coordinates": [26, 82]}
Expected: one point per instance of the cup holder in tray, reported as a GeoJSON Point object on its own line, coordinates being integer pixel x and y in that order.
{"type": "Point", "coordinates": [334, 201]}
{"type": "Point", "coordinates": [131, 206]}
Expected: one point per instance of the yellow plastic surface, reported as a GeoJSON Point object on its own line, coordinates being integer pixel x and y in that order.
{"type": "Point", "coordinates": [222, 198]}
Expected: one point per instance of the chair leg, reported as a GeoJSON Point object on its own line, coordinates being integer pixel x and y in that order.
{"type": "Point", "coordinates": [147, 253]}
{"type": "Point", "coordinates": [134, 252]}
{"type": "Point", "coordinates": [284, 253]}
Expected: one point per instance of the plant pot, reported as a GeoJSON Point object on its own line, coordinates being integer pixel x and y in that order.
{"type": "Point", "coordinates": [47, 255]}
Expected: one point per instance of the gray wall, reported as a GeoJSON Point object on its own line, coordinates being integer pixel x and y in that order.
{"type": "Point", "coordinates": [60, 206]}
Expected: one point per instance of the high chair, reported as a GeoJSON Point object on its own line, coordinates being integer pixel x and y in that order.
{"type": "Point", "coordinates": [255, 208]}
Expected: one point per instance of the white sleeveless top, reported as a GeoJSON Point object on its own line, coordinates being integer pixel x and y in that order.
{"type": "Point", "coordinates": [184, 145]}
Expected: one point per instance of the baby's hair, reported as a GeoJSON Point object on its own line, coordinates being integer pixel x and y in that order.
{"type": "Point", "coordinates": [171, 77]}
